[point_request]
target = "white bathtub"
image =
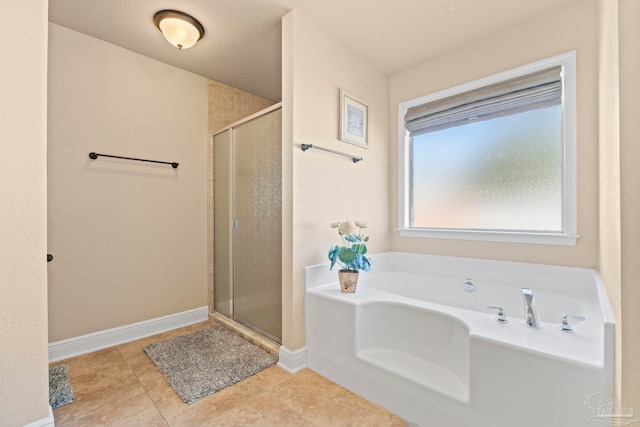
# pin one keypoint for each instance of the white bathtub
(415, 341)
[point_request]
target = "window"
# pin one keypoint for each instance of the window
(493, 159)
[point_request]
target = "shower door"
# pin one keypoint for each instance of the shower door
(248, 223)
(257, 237)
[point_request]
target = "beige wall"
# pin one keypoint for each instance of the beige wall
(24, 393)
(629, 44)
(609, 167)
(129, 238)
(326, 187)
(571, 29)
(619, 183)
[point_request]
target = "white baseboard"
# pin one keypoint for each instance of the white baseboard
(292, 361)
(44, 422)
(71, 347)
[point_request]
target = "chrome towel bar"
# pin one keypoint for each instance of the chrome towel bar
(305, 147)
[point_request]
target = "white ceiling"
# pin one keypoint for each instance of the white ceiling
(241, 46)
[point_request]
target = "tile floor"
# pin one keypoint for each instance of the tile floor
(120, 386)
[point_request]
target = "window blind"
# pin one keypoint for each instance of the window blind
(537, 90)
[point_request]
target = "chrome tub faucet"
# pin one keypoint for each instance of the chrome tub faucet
(530, 311)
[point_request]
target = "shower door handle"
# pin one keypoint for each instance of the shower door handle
(236, 224)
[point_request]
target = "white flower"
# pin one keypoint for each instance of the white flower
(346, 227)
(362, 224)
(335, 224)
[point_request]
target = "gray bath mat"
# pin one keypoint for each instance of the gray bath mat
(60, 390)
(203, 362)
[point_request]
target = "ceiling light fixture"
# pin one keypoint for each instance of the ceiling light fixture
(180, 29)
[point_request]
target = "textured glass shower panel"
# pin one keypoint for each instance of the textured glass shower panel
(222, 224)
(257, 299)
(500, 174)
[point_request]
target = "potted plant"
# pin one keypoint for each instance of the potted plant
(350, 256)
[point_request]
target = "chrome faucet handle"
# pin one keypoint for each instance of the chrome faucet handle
(502, 316)
(530, 311)
(567, 319)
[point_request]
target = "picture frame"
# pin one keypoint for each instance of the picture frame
(354, 118)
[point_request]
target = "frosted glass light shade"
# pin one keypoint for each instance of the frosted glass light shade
(180, 29)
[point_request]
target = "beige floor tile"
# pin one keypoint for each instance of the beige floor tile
(102, 384)
(372, 415)
(261, 410)
(66, 415)
(337, 411)
(95, 377)
(136, 410)
(101, 359)
(163, 396)
(135, 348)
(270, 378)
(204, 410)
(363, 410)
(140, 364)
(305, 389)
(102, 396)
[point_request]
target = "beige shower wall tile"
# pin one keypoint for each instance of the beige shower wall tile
(227, 105)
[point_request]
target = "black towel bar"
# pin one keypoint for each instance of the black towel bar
(94, 156)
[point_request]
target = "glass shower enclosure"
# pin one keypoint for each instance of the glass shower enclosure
(247, 222)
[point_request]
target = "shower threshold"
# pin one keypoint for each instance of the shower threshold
(266, 343)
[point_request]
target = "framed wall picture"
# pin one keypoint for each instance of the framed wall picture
(354, 116)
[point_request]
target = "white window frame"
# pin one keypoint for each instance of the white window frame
(569, 236)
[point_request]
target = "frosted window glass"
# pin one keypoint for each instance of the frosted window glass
(500, 174)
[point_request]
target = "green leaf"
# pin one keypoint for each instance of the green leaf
(346, 255)
(359, 248)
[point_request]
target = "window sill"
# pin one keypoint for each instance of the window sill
(559, 239)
